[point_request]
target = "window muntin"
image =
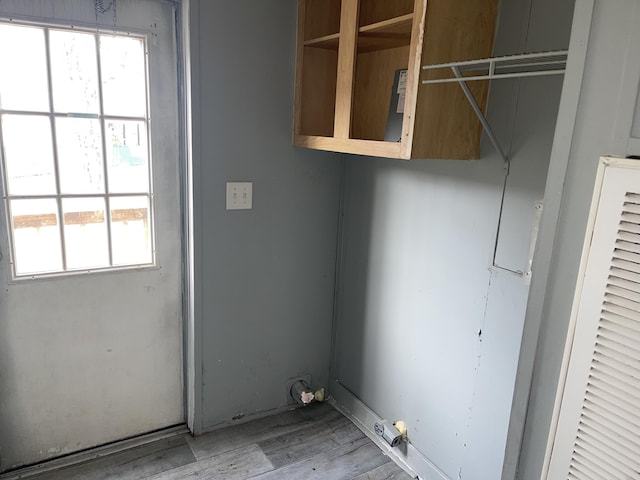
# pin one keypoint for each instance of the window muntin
(74, 138)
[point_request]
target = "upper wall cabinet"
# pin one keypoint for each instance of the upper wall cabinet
(358, 76)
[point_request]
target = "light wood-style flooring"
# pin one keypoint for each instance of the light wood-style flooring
(311, 443)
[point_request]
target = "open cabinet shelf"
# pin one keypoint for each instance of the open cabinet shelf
(350, 96)
(328, 41)
(391, 33)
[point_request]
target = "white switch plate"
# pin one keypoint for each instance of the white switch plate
(239, 195)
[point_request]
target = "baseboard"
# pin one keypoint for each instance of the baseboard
(94, 453)
(247, 418)
(406, 456)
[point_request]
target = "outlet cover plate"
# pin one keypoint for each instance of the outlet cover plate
(239, 195)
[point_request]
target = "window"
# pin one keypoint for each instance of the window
(74, 138)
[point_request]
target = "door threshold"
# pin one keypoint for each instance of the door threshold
(94, 453)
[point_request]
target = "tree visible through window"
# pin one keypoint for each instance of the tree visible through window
(74, 133)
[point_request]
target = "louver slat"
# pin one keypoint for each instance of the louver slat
(628, 337)
(607, 439)
(585, 458)
(622, 311)
(628, 236)
(626, 273)
(613, 409)
(623, 283)
(609, 456)
(620, 399)
(623, 267)
(631, 206)
(580, 472)
(627, 246)
(596, 412)
(612, 317)
(631, 218)
(611, 435)
(615, 379)
(623, 352)
(616, 289)
(623, 301)
(624, 372)
(625, 254)
(629, 227)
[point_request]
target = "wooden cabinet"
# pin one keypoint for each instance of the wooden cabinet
(347, 58)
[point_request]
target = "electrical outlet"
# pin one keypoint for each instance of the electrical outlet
(239, 195)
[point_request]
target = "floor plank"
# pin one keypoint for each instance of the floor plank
(236, 436)
(346, 432)
(388, 471)
(340, 463)
(239, 464)
(185, 472)
(135, 464)
(300, 444)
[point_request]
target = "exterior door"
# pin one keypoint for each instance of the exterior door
(90, 240)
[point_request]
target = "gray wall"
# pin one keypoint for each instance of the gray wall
(608, 94)
(264, 278)
(431, 299)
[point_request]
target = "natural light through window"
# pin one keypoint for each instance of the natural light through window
(74, 138)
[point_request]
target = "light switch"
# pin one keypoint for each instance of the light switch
(239, 195)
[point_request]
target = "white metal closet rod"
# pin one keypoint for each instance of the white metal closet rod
(540, 59)
(494, 76)
(516, 66)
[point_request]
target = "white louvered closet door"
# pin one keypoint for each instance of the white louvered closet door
(598, 430)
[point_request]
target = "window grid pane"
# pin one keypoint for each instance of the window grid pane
(85, 224)
(25, 47)
(36, 239)
(131, 229)
(81, 200)
(29, 165)
(74, 72)
(80, 160)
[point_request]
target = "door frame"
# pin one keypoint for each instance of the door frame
(189, 85)
(545, 247)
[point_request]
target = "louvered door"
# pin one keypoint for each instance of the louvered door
(598, 429)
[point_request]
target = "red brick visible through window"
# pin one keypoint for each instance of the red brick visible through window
(83, 218)
(35, 221)
(129, 215)
(79, 218)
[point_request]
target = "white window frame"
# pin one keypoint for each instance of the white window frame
(103, 119)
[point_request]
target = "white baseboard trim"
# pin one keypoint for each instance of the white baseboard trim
(94, 453)
(406, 456)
